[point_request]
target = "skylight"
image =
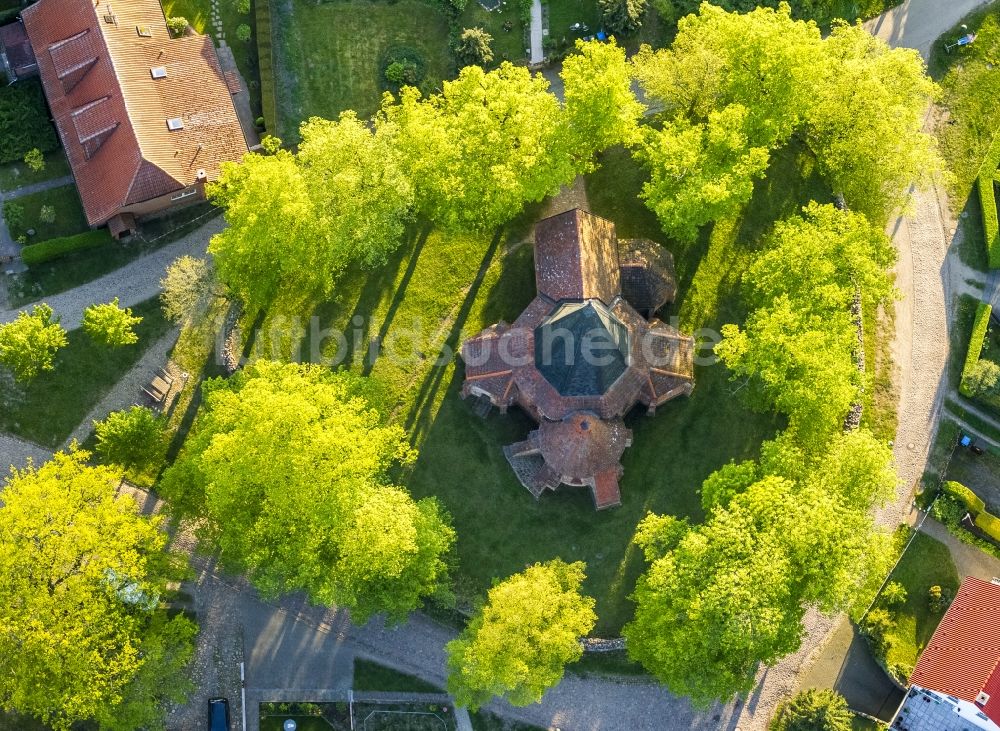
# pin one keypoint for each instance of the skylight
(144, 30)
(158, 72)
(175, 123)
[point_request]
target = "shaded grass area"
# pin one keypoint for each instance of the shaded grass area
(927, 563)
(370, 675)
(48, 409)
(606, 663)
(970, 87)
(980, 473)
(486, 721)
(69, 217)
(78, 268)
(16, 174)
(329, 56)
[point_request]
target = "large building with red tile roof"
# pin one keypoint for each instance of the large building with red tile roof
(581, 355)
(956, 683)
(146, 119)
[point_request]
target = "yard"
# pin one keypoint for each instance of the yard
(927, 563)
(51, 213)
(330, 57)
(49, 408)
(443, 288)
(17, 174)
(369, 675)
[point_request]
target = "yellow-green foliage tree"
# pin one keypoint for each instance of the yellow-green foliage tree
(110, 324)
(81, 633)
(289, 465)
(29, 344)
(518, 643)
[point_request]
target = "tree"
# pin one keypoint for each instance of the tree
(178, 25)
(35, 160)
(984, 378)
(111, 324)
(28, 345)
(814, 709)
(289, 466)
(623, 16)
(473, 47)
(865, 121)
(243, 32)
(242, 6)
(188, 288)
(131, 438)
(488, 143)
(297, 221)
(518, 643)
(81, 634)
(600, 109)
(700, 172)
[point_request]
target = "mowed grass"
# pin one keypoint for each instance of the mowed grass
(329, 56)
(927, 563)
(49, 408)
(369, 675)
(17, 175)
(69, 217)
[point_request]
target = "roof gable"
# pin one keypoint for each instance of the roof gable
(576, 257)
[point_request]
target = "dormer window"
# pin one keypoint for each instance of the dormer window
(158, 72)
(175, 123)
(144, 31)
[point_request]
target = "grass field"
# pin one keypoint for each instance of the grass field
(17, 174)
(927, 563)
(370, 675)
(69, 217)
(329, 56)
(508, 45)
(48, 409)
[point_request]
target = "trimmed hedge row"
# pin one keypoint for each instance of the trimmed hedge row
(51, 249)
(268, 98)
(989, 524)
(991, 226)
(963, 494)
(979, 329)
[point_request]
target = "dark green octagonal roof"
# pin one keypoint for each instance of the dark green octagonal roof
(581, 348)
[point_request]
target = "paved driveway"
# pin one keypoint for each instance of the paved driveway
(918, 23)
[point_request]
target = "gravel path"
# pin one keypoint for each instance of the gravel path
(135, 282)
(16, 452)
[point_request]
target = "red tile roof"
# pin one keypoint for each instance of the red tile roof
(15, 45)
(962, 657)
(576, 257)
(112, 114)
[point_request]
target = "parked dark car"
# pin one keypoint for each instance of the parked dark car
(218, 714)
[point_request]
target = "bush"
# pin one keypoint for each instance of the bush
(876, 627)
(474, 47)
(132, 439)
(35, 160)
(111, 324)
(894, 595)
(243, 32)
(24, 121)
(242, 6)
(938, 599)
(989, 524)
(964, 495)
(14, 213)
(814, 710)
(178, 25)
(47, 214)
(979, 329)
(403, 66)
(54, 248)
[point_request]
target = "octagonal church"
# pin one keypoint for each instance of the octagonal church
(584, 352)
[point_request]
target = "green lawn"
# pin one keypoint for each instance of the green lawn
(69, 217)
(329, 56)
(48, 409)
(17, 174)
(508, 45)
(370, 675)
(486, 721)
(970, 86)
(927, 563)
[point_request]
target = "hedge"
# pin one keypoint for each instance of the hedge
(979, 329)
(51, 249)
(991, 227)
(989, 524)
(268, 92)
(964, 495)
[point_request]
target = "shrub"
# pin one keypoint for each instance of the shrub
(964, 495)
(894, 595)
(242, 6)
(111, 324)
(54, 248)
(188, 288)
(35, 160)
(243, 32)
(989, 524)
(979, 329)
(47, 214)
(24, 121)
(402, 65)
(474, 47)
(132, 438)
(401, 72)
(178, 25)
(876, 627)
(14, 213)
(814, 710)
(938, 599)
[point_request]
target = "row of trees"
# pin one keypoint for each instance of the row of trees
(733, 88)
(468, 157)
(28, 344)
